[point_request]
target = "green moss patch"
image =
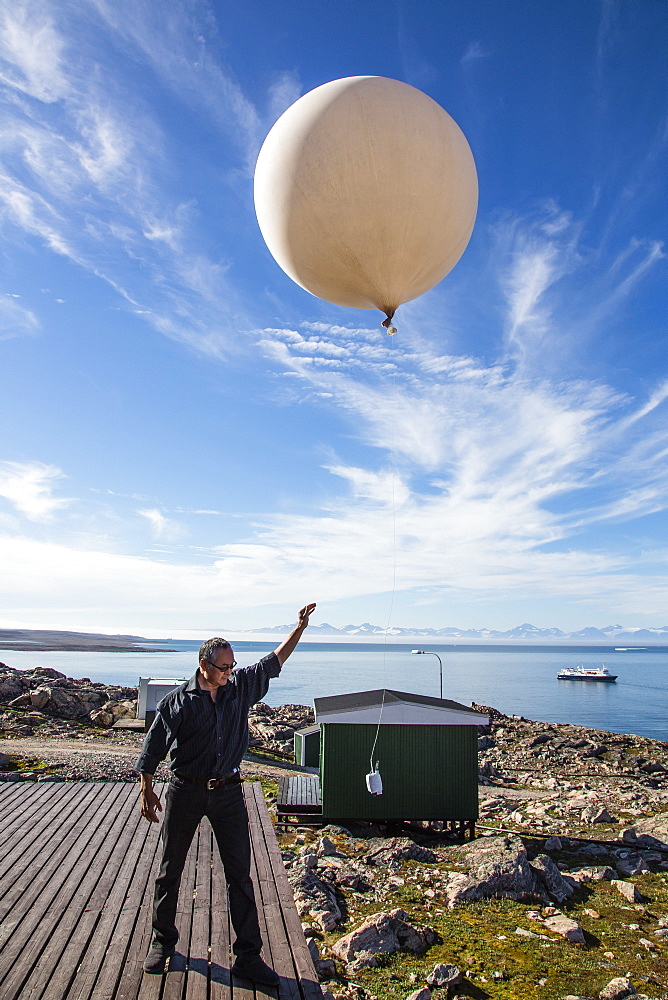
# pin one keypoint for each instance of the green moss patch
(481, 939)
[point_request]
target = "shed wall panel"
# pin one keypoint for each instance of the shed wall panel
(428, 772)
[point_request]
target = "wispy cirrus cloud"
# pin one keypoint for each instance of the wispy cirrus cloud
(474, 51)
(178, 48)
(86, 166)
(15, 319)
(163, 528)
(33, 52)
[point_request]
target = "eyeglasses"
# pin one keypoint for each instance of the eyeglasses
(228, 666)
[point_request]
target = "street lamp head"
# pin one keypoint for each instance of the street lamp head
(429, 652)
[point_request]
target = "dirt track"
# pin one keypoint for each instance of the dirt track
(89, 758)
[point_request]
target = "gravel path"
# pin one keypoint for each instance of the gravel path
(91, 758)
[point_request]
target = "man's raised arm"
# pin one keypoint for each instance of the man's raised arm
(287, 646)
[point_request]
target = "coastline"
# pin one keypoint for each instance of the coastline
(52, 641)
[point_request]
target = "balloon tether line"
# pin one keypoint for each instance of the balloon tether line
(394, 560)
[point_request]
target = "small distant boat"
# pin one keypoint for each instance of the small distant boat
(587, 674)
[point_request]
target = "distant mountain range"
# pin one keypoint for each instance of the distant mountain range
(614, 633)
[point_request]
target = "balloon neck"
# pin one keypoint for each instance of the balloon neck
(387, 323)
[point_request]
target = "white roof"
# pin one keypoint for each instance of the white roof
(395, 708)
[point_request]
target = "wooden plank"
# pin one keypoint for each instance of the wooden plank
(283, 790)
(198, 955)
(277, 945)
(95, 933)
(121, 971)
(48, 916)
(243, 989)
(308, 980)
(221, 983)
(171, 984)
(178, 963)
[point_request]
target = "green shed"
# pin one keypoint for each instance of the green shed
(427, 750)
(307, 746)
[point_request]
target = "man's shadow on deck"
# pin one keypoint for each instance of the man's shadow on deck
(221, 975)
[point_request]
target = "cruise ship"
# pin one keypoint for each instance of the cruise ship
(586, 674)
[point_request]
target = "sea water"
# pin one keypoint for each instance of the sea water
(518, 680)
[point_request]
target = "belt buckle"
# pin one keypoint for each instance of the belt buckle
(212, 783)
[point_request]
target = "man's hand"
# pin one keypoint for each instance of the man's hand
(284, 650)
(149, 800)
(304, 615)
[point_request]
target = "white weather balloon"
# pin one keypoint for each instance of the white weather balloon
(366, 192)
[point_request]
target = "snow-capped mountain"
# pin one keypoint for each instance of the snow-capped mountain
(614, 633)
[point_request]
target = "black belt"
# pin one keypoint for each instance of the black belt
(234, 777)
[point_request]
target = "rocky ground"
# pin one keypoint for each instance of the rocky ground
(565, 894)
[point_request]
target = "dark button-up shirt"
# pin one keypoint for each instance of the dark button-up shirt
(207, 739)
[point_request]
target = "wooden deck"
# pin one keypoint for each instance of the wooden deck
(77, 864)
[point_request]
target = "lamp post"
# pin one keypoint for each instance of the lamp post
(428, 652)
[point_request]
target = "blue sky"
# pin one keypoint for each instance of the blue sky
(191, 441)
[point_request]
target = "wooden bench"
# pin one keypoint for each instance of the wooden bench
(299, 795)
(77, 865)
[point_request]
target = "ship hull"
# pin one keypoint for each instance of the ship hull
(610, 679)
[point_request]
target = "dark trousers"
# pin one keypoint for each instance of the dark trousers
(224, 807)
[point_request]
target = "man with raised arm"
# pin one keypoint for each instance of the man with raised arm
(204, 723)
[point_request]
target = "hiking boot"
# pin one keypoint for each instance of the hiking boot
(256, 970)
(157, 957)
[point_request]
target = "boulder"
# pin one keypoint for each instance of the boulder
(654, 767)
(634, 864)
(314, 897)
(556, 886)
(325, 968)
(383, 933)
(102, 718)
(656, 828)
(423, 994)
(73, 702)
(39, 697)
(10, 687)
(618, 989)
(498, 866)
(314, 950)
(111, 711)
(540, 740)
(48, 672)
(596, 813)
(594, 873)
(326, 848)
(628, 890)
(444, 975)
(384, 850)
(568, 928)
